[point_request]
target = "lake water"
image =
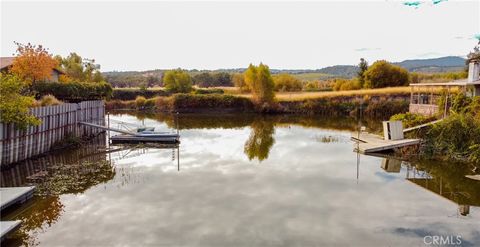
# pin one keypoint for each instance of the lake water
(242, 181)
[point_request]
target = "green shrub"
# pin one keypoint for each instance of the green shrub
(411, 119)
(458, 136)
(209, 101)
(384, 74)
(344, 84)
(131, 93)
(140, 101)
(14, 107)
(177, 81)
(208, 91)
(73, 91)
(286, 83)
(49, 99)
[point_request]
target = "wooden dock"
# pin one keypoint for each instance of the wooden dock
(7, 227)
(14, 195)
(371, 143)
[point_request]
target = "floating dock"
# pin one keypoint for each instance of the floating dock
(165, 138)
(142, 135)
(14, 195)
(7, 227)
(371, 143)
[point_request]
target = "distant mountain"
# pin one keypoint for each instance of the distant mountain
(340, 70)
(441, 64)
(432, 65)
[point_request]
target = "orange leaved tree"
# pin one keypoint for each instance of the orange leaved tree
(33, 63)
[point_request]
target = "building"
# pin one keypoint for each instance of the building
(424, 97)
(6, 64)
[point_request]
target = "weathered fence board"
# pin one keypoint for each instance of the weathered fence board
(58, 122)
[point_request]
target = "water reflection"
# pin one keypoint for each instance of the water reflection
(304, 193)
(260, 140)
(70, 172)
(229, 121)
(446, 179)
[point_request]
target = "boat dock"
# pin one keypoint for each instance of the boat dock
(164, 138)
(7, 227)
(10, 196)
(371, 143)
(14, 195)
(142, 135)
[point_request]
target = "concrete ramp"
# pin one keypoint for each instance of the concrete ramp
(13, 195)
(7, 227)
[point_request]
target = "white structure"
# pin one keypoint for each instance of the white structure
(392, 130)
(424, 96)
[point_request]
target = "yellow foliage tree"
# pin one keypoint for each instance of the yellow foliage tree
(33, 63)
(260, 82)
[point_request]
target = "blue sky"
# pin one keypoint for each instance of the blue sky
(124, 35)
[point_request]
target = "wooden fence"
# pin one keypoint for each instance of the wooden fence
(58, 122)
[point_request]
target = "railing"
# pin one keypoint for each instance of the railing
(424, 109)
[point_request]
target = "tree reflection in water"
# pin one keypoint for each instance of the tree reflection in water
(261, 139)
(35, 219)
(67, 172)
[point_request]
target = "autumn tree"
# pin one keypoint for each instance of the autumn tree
(79, 69)
(363, 66)
(287, 83)
(177, 81)
(384, 74)
(32, 63)
(260, 81)
(239, 81)
(14, 107)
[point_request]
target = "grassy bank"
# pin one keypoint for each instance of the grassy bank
(376, 103)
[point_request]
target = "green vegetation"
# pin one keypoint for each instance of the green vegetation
(363, 67)
(177, 81)
(260, 82)
(14, 106)
(206, 79)
(77, 68)
(49, 99)
(345, 84)
(383, 74)
(189, 102)
(457, 137)
(208, 91)
(239, 82)
(437, 77)
(73, 91)
(132, 93)
(287, 83)
(411, 119)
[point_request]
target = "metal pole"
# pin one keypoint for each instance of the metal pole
(176, 122)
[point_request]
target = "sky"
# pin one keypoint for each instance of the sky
(127, 35)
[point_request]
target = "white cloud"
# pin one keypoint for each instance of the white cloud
(124, 35)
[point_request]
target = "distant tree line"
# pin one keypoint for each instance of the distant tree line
(208, 79)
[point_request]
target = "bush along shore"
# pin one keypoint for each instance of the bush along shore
(372, 106)
(457, 137)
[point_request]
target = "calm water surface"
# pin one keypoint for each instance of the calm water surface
(241, 181)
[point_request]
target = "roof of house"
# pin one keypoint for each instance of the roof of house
(8, 61)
